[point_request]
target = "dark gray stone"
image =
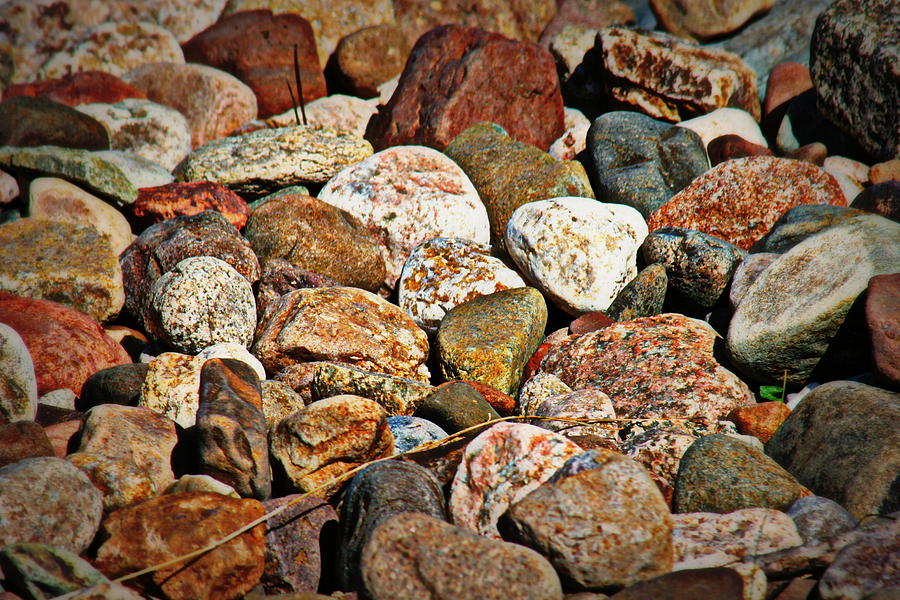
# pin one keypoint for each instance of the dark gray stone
(642, 297)
(116, 385)
(455, 406)
(819, 519)
(38, 571)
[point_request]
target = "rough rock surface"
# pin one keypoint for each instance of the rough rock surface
(397, 395)
(28, 121)
(882, 315)
(367, 58)
(704, 19)
(84, 87)
(172, 387)
(18, 384)
(120, 481)
(157, 204)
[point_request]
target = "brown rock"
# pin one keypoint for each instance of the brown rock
(883, 319)
(121, 482)
(458, 76)
(28, 121)
(66, 346)
(881, 199)
(175, 524)
(504, 404)
(690, 584)
(23, 439)
(85, 87)
(64, 436)
(760, 420)
(704, 19)
(257, 47)
(367, 58)
(727, 147)
(668, 78)
(885, 171)
(586, 14)
(589, 322)
(155, 204)
(814, 153)
(787, 80)
(280, 277)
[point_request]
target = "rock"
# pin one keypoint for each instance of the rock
(237, 352)
(46, 500)
(201, 483)
(28, 121)
(396, 395)
(63, 436)
(281, 277)
(573, 140)
(407, 195)
(819, 443)
(135, 434)
(508, 173)
(172, 387)
(862, 567)
(257, 47)
(347, 114)
(580, 252)
(704, 19)
(318, 237)
(471, 346)
(614, 359)
(410, 432)
(536, 390)
(443, 273)
(42, 571)
(882, 199)
(175, 524)
(819, 519)
(726, 121)
(152, 131)
(84, 87)
(327, 439)
(278, 401)
(66, 346)
(885, 171)
(760, 420)
(201, 301)
(455, 406)
(728, 147)
(698, 266)
(739, 200)
(787, 80)
(641, 162)
(643, 296)
(641, 67)
(882, 308)
(799, 223)
(704, 540)
(18, 385)
(500, 467)
(139, 171)
(22, 439)
(746, 274)
(853, 60)
(341, 324)
(413, 555)
(120, 481)
(293, 544)
(764, 343)
(269, 159)
(218, 102)
(586, 403)
(689, 584)
(463, 76)
(103, 591)
(368, 57)
(115, 48)
(63, 399)
(9, 188)
(850, 174)
(375, 494)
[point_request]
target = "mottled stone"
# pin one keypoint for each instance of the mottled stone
(698, 265)
(578, 251)
(266, 160)
(318, 237)
(760, 420)
(172, 387)
(704, 19)
(799, 223)
(278, 401)
(508, 173)
(201, 483)
(139, 171)
(175, 524)
(882, 311)
(574, 139)
(455, 406)
(347, 114)
(520, 20)
(412, 556)
(840, 442)
(345, 325)
(457, 76)
(396, 395)
(688, 584)
(819, 519)
(669, 78)
(328, 438)
(120, 384)
(500, 467)
(643, 296)
(46, 500)
(866, 565)
(642, 384)
(66, 346)
(237, 352)
(22, 439)
(84, 87)
(280, 277)
(120, 481)
(410, 432)
(18, 385)
(537, 389)
(375, 494)
(641, 162)
(788, 317)
(586, 403)
(368, 57)
(43, 571)
(28, 121)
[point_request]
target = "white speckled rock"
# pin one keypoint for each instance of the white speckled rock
(406, 195)
(442, 273)
(537, 389)
(235, 351)
(58, 200)
(153, 131)
(572, 141)
(726, 121)
(9, 188)
(578, 251)
(184, 18)
(139, 171)
(18, 386)
(585, 403)
(115, 48)
(705, 540)
(338, 112)
(200, 302)
(500, 467)
(172, 386)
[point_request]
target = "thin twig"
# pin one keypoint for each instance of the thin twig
(299, 86)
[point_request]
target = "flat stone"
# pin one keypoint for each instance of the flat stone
(882, 309)
(120, 481)
(704, 19)
(411, 432)
(578, 251)
(368, 57)
(396, 395)
(172, 387)
(799, 223)
(643, 296)
(18, 385)
(455, 406)
(41, 571)
(84, 87)
(760, 420)
(157, 204)
(28, 121)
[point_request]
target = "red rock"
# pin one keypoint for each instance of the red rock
(786, 81)
(66, 346)
(155, 204)
(458, 76)
(589, 322)
(586, 14)
(64, 437)
(23, 439)
(760, 420)
(367, 58)
(257, 47)
(726, 147)
(502, 403)
(534, 363)
(739, 200)
(883, 318)
(85, 87)
(174, 524)
(814, 153)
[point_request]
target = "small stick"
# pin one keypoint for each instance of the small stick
(299, 86)
(293, 100)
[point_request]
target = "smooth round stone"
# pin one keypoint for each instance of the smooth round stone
(62, 398)
(120, 384)
(202, 301)
(455, 406)
(726, 121)
(580, 252)
(586, 403)
(537, 389)
(642, 297)
(9, 188)
(18, 384)
(820, 519)
(746, 274)
(367, 58)
(727, 147)
(801, 222)
(410, 432)
(761, 420)
(341, 113)
(235, 351)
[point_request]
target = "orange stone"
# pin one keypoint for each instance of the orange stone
(759, 420)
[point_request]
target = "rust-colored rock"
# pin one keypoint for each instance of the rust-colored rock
(760, 420)
(589, 322)
(883, 320)
(787, 80)
(458, 76)
(64, 437)
(726, 147)
(175, 524)
(66, 346)
(257, 47)
(586, 14)
(155, 204)
(504, 404)
(367, 58)
(85, 87)
(23, 439)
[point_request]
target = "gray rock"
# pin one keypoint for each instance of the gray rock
(39, 571)
(866, 565)
(18, 385)
(642, 297)
(140, 171)
(819, 519)
(799, 223)
(746, 275)
(410, 432)
(455, 406)
(642, 162)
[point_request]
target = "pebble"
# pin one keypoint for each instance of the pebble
(455, 406)
(411, 432)
(18, 385)
(407, 195)
(28, 121)
(882, 310)
(760, 420)
(573, 141)
(726, 121)
(41, 571)
(819, 519)
(172, 387)
(643, 296)
(120, 481)
(368, 57)
(396, 395)
(9, 188)
(704, 19)
(578, 251)
(727, 147)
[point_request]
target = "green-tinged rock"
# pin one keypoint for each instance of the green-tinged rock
(642, 297)
(721, 474)
(270, 159)
(799, 223)
(140, 171)
(508, 173)
(18, 383)
(489, 339)
(396, 395)
(38, 571)
(63, 262)
(455, 406)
